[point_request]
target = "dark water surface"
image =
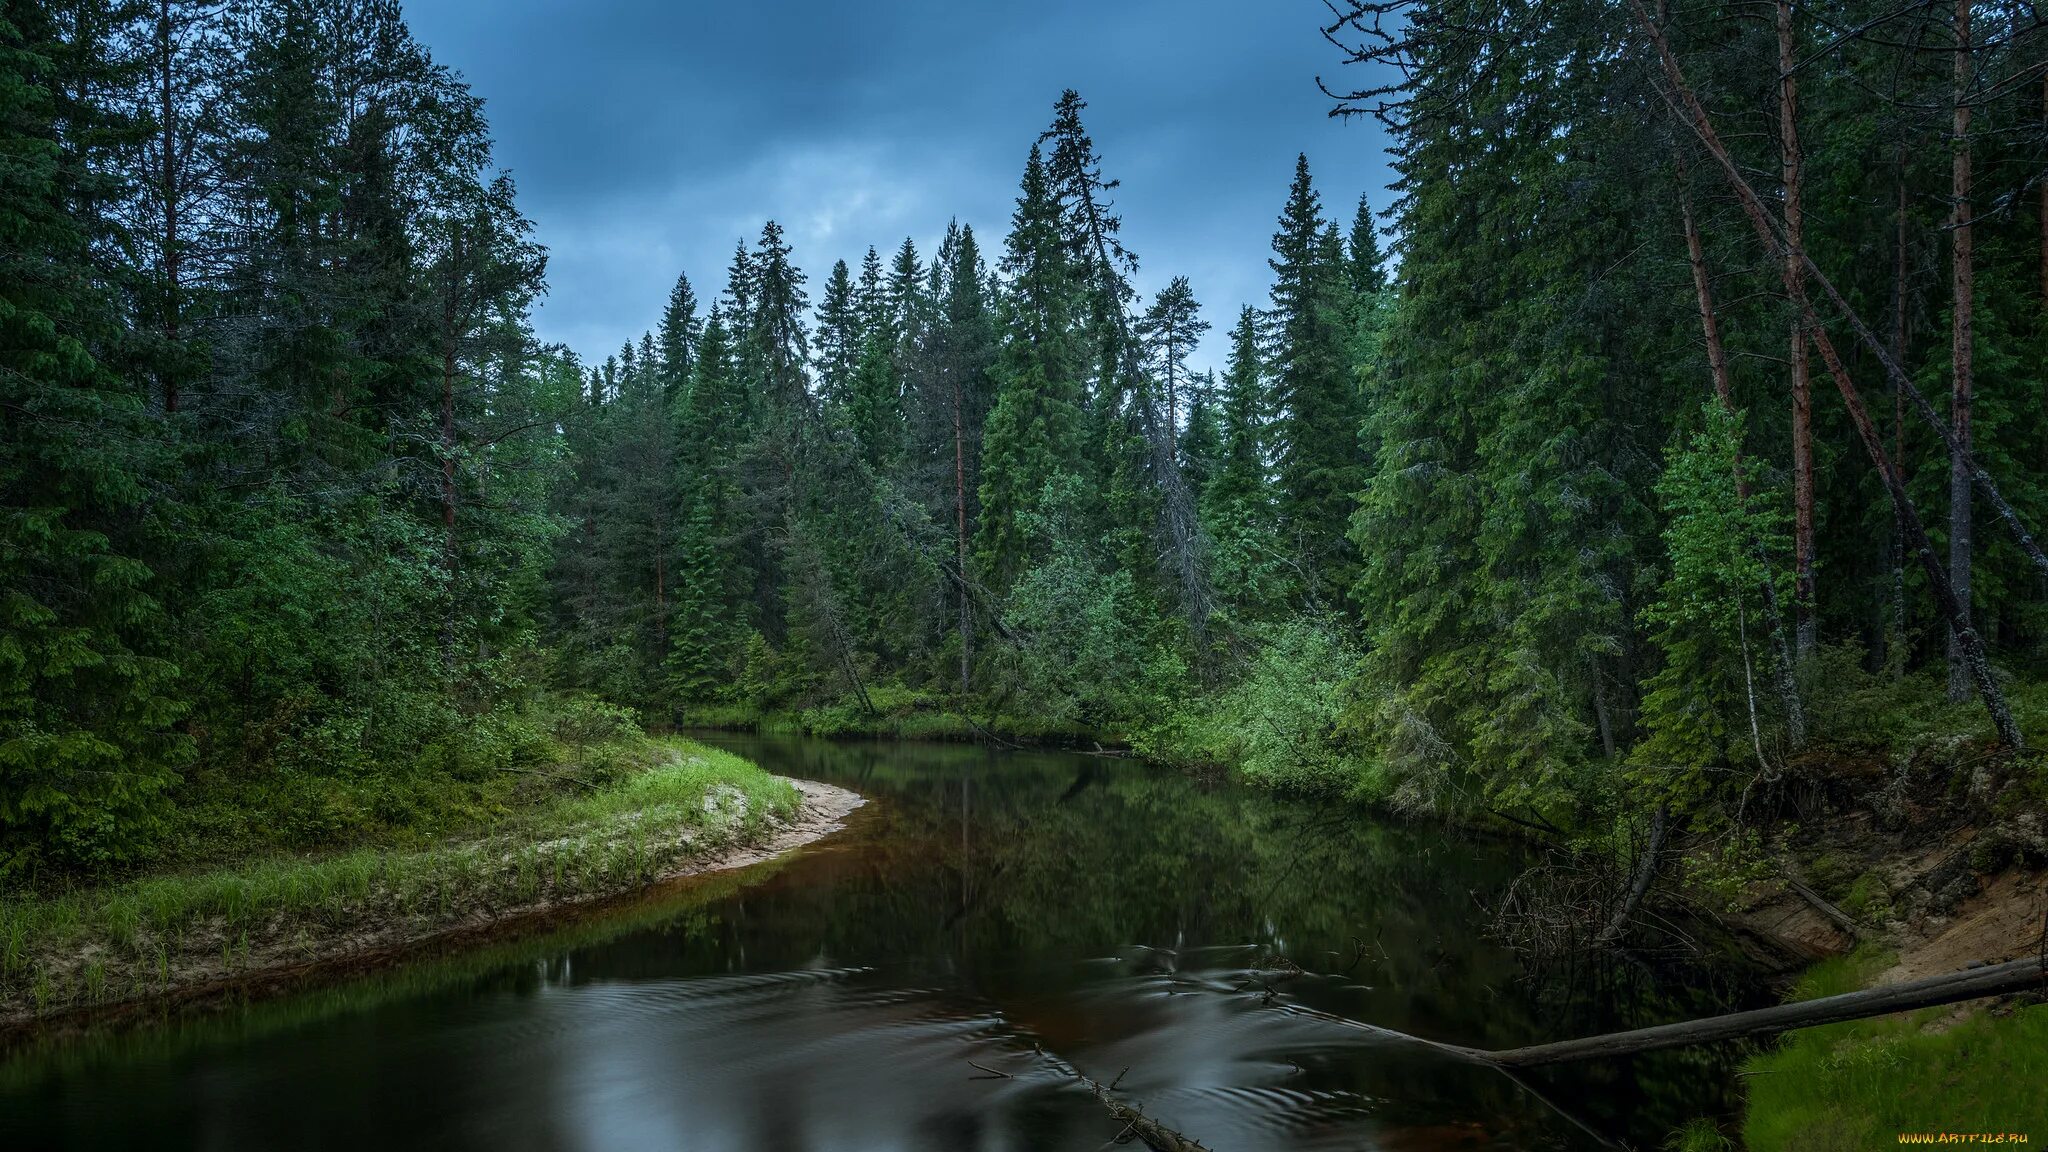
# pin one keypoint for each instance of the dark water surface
(983, 907)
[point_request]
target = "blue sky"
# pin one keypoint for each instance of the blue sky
(648, 137)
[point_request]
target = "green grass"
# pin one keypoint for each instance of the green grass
(132, 938)
(1858, 1085)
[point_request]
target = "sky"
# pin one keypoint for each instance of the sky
(648, 137)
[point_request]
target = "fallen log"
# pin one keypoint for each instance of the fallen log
(1819, 903)
(1948, 988)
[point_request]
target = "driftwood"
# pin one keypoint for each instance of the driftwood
(1156, 1136)
(1948, 988)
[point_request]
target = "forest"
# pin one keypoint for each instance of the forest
(1528, 491)
(1664, 448)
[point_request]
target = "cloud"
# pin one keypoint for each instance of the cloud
(648, 136)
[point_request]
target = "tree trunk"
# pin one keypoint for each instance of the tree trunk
(1963, 356)
(450, 314)
(1898, 349)
(168, 142)
(1948, 988)
(1646, 871)
(1970, 646)
(960, 534)
(1805, 627)
(1717, 362)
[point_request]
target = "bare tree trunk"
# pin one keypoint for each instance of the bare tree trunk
(172, 192)
(1687, 103)
(451, 310)
(1963, 355)
(1724, 389)
(2044, 199)
(1646, 872)
(1805, 626)
(1899, 414)
(960, 534)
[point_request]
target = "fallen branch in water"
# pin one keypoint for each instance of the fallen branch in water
(1156, 1136)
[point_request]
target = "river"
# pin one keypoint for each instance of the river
(930, 979)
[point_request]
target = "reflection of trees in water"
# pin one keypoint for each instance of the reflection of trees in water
(1010, 866)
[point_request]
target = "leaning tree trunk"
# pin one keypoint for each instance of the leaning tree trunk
(1805, 626)
(1963, 343)
(1686, 102)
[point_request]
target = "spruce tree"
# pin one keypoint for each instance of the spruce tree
(681, 330)
(839, 338)
(87, 747)
(1364, 262)
(1317, 425)
(1035, 428)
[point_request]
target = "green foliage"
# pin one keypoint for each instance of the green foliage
(1711, 622)
(1279, 724)
(87, 696)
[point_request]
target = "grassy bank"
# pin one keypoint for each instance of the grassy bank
(1860, 1084)
(668, 801)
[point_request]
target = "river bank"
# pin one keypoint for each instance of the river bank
(1897, 873)
(177, 938)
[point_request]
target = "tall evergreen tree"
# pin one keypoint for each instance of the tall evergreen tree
(681, 331)
(1317, 420)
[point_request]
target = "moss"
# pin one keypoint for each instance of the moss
(1869, 898)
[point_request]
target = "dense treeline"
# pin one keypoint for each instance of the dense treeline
(986, 482)
(274, 451)
(1624, 507)
(1576, 501)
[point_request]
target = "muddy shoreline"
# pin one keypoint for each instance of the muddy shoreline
(303, 963)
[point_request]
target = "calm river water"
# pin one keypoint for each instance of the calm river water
(1030, 913)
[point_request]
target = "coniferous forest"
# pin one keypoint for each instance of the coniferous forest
(1663, 454)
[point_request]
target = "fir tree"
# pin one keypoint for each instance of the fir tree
(87, 748)
(1317, 426)
(1364, 262)
(1034, 430)
(839, 338)
(681, 330)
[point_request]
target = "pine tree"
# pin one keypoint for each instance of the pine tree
(1170, 329)
(1247, 561)
(777, 333)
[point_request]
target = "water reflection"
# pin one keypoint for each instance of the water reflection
(1029, 914)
